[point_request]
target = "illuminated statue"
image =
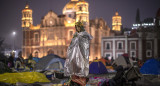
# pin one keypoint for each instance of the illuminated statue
(77, 61)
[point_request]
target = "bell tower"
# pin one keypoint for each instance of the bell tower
(116, 22)
(82, 13)
(27, 20)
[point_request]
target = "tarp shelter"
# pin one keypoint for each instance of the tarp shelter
(23, 77)
(97, 67)
(50, 62)
(121, 61)
(151, 66)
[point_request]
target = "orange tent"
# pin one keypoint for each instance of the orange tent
(103, 61)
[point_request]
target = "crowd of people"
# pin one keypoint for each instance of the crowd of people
(20, 63)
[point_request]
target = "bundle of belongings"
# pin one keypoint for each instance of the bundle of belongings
(124, 76)
(126, 72)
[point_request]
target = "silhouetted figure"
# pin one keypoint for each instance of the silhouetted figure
(11, 60)
(35, 58)
(19, 61)
(118, 79)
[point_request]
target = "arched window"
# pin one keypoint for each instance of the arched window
(36, 53)
(119, 45)
(36, 37)
(70, 34)
(80, 8)
(50, 51)
(70, 15)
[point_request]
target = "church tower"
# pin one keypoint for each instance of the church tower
(138, 21)
(82, 13)
(116, 22)
(27, 20)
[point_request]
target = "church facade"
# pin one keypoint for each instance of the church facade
(55, 32)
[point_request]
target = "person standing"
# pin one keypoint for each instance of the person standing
(11, 60)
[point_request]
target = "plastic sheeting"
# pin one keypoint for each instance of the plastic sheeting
(24, 77)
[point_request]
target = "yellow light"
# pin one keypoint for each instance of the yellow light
(24, 57)
(116, 24)
(26, 10)
(45, 38)
(82, 2)
(74, 0)
(59, 42)
(82, 12)
(56, 37)
(56, 43)
(63, 42)
(35, 27)
(25, 18)
(69, 21)
(67, 24)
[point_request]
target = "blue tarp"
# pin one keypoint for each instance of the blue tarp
(36, 59)
(97, 68)
(151, 66)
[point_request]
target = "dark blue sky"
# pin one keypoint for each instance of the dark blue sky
(10, 12)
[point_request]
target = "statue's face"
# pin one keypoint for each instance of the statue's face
(78, 28)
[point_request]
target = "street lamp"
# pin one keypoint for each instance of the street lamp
(13, 33)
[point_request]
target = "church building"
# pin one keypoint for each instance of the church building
(55, 32)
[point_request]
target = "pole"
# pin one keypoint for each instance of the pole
(14, 43)
(14, 33)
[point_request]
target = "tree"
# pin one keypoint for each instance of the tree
(1, 43)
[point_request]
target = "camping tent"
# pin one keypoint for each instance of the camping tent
(97, 67)
(103, 61)
(50, 62)
(151, 66)
(121, 61)
(56, 63)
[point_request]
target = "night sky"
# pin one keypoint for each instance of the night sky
(10, 13)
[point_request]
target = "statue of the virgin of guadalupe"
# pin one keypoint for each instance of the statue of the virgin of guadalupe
(77, 61)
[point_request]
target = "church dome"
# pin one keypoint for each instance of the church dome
(27, 9)
(70, 6)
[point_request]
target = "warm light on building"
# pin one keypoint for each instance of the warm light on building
(116, 22)
(82, 13)
(69, 23)
(74, 0)
(27, 20)
(35, 27)
(56, 31)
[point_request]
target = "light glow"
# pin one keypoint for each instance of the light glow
(35, 27)
(14, 33)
